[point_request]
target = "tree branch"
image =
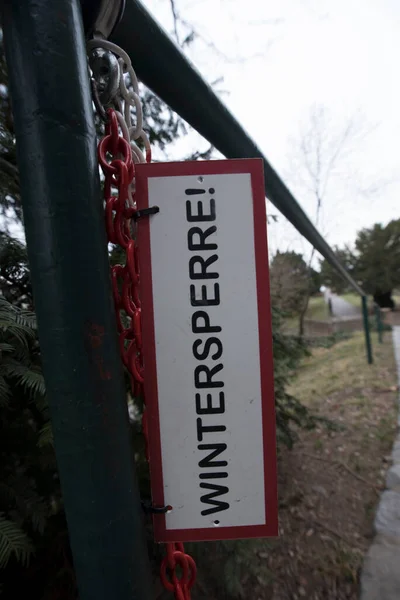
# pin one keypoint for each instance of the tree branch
(175, 17)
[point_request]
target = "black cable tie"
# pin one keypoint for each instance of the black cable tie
(145, 212)
(155, 510)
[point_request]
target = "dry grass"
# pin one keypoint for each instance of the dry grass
(329, 484)
(344, 368)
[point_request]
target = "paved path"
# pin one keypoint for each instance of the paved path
(341, 308)
(380, 579)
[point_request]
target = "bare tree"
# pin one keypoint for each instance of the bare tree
(185, 33)
(318, 157)
(175, 17)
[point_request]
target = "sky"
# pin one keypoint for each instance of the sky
(278, 61)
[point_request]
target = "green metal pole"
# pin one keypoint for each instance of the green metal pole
(379, 325)
(60, 190)
(366, 330)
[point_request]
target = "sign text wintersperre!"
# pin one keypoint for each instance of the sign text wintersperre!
(210, 403)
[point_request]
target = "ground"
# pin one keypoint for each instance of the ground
(329, 484)
(341, 308)
(353, 299)
(345, 305)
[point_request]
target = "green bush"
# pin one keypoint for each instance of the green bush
(34, 546)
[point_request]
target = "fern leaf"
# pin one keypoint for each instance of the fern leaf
(19, 332)
(26, 319)
(29, 377)
(18, 323)
(21, 354)
(33, 381)
(13, 542)
(5, 393)
(6, 347)
(45, 436)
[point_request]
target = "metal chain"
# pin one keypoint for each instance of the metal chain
(123, 99)
(118, 152)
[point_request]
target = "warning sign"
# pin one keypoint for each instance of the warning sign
(207, 347)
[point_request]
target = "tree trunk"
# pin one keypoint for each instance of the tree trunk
(303, 315)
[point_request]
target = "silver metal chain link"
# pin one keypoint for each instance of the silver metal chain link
(112, 73)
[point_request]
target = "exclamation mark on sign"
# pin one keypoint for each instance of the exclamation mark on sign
(200, 211)
(195, 191)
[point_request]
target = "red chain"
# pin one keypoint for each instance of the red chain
(115, 158)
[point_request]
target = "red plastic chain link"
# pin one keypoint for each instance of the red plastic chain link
(115, 159)
(176, 557)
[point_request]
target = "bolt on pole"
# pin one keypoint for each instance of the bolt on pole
(60, 190)
(367, 330)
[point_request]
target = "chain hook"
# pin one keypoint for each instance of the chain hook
(106, 75)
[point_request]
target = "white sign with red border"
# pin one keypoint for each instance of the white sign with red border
(207, 347)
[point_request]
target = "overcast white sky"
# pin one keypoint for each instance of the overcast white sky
(277, 59)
